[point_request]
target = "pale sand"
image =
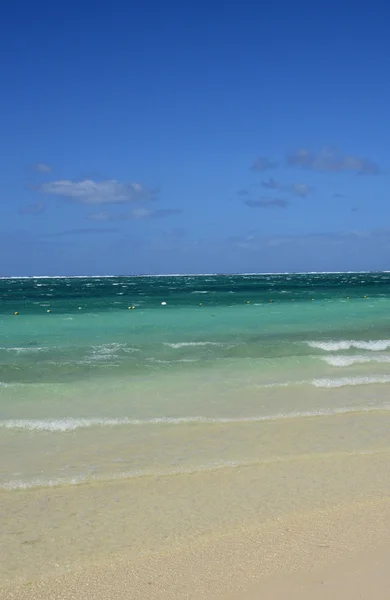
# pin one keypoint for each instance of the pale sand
(347, 548)
(207, 534)
(366, 577)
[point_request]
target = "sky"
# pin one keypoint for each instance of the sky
(174, 137)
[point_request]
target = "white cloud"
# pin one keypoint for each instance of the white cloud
(146, 213)
(262, 164)
(82, 231)
(42, 168)
(101, 216)
(349, 238)
(89, 191)
(297, 189)
(33, 209)
(267, 203)
(328, 161)
(140, 212)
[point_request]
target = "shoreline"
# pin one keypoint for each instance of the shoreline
(156, 502)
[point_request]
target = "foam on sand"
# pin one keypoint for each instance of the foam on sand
(71, 424)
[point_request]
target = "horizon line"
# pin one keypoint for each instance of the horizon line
(219, 274)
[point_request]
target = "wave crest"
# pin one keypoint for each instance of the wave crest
(188, 344)
(348, 360)
(346, 381)
(334, 346)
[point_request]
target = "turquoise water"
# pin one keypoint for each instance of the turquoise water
(95, 390)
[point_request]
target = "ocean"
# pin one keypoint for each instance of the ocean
(161, 385)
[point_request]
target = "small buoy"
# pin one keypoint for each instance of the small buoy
(16, 313)
(313, 298)
(271, 300)
(347, 297)
(49, 311)
(365, 297)
(163, 303)
(248, 301)
(292, 299)
(200, 303)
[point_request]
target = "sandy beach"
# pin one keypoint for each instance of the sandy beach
(365, 577)
(341, 554)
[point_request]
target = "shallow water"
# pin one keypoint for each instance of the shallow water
(218, 381)
(218, 352)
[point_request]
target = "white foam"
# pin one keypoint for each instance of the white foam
(104, 352)
(21, 350)
(60, 425)
(335, 346)
(159, 361)
(347, 361)
(18, 484)
(283, 384)
(170, 362)
(186, 360)
(185, 344)
(73, 423)
(154, 275)
(347, 381)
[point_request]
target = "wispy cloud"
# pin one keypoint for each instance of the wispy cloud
(89, 191)
(257, 242)
(42, 168)
(103, 216)
(262, 164)
(33, 209)
(267, 203)
(297, 189)
(330, 162)
(247, 242)
(146, 213)
(137, 213)
(83, 231)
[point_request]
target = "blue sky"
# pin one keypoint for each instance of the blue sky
(206, 137)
